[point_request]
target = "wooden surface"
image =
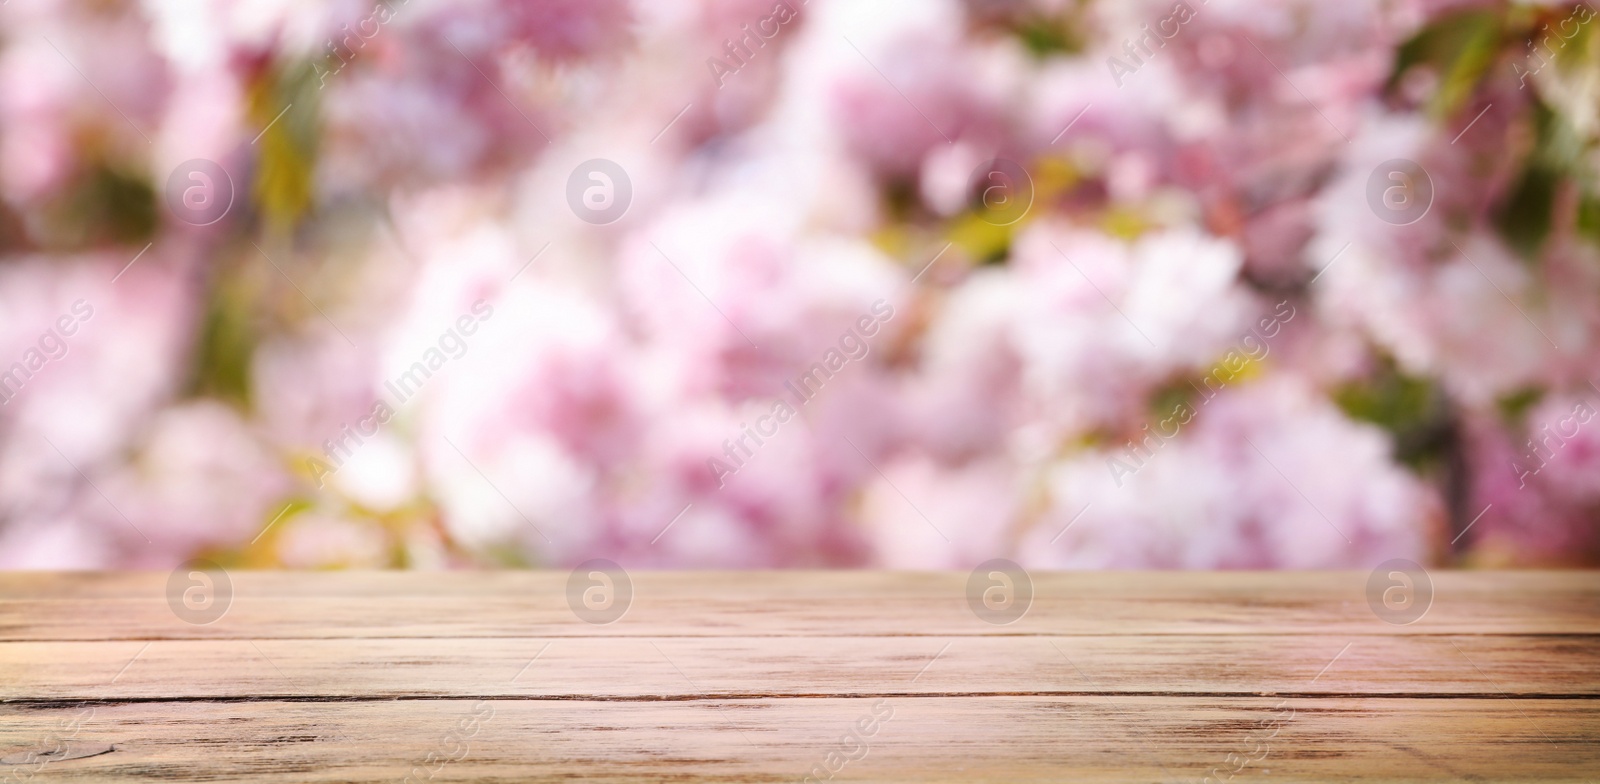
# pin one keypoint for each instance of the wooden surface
(775, 676)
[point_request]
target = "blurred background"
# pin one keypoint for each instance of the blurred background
(776, 283)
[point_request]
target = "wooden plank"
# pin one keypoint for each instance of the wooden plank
(676, 667)
(999, 739)
(862, 604)
(758, 677)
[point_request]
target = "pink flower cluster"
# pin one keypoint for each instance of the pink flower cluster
(1077, 372)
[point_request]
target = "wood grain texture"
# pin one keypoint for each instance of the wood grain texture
(746, 604)
(774, 677)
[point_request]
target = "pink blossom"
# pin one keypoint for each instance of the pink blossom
(200, 480)
(1264, 475)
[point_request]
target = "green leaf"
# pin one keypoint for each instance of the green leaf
(1412, 409)
(981, 240)
(1515, 406)
(1460, 48)
(1524, 219)
(285, 105)
(1044, 37)
(1589, 218)
(103, 206)
(227, 343)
